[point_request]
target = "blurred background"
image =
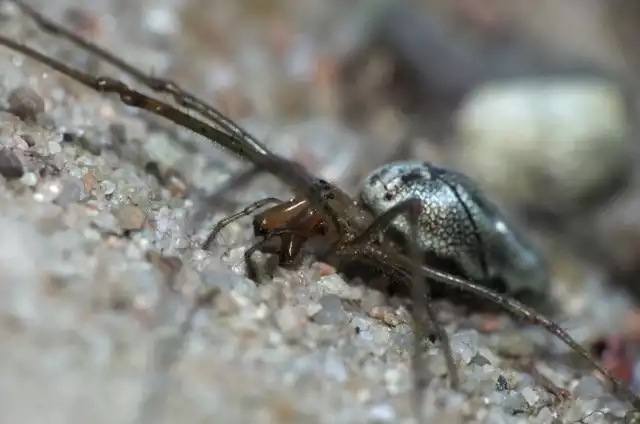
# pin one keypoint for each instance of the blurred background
(536, 103)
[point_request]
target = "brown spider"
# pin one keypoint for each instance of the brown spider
(318, 208)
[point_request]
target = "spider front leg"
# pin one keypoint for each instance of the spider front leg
(422, 310)
(180, 95)
(231, 218)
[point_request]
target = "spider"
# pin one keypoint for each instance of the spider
(318, 209)
(459, 227)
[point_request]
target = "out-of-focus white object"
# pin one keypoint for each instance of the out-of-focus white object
(565, 136)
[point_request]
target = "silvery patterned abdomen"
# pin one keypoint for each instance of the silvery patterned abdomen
(458, 224)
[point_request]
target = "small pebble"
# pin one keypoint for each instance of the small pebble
(385, 314)
(225, 305)
(106, 222)
(53, 147)
(515, 345)
(290, 320)
(572, 133)
(486, 356)
(25, 103)
(502, 384)
(396, 381)
(437, 366)
(372, 299)
(176, 184)
(28, 139)
(464, 345)
(545, 416)
(72, 191)
(588, 388)
(371, 337)
(382, 414)
(510, 400)
(335, 284)
(91, 143)
(162, 21)
(10, 166)
(402, 338)
(107, 187)
(313, 308)
(479, 360)
(530, 395)
(29, 179)
(334, 367)
(226, 281)
(75, 171)
(331, 311)
(48, 191)
(130, 217)
(90, 182)
(497, 416)
(632, 417)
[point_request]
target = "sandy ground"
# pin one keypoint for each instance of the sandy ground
(97, 329)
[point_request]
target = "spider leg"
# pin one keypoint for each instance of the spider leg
(256, 154)
(181, 96)
(290, 248)
(513, 306)
(399, 263)
(404, 264)
(382, 222)
(231, 137)
(423, 313)
(422, 309)
(265, 245)
(246, 147)
(228, 220)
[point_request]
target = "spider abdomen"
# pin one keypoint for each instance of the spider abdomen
(458, 224)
